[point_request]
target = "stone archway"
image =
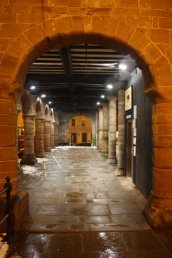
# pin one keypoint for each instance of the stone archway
(107, 31)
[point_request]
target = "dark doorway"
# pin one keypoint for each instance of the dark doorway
(73, 138)
(129, 165)
(84, 137)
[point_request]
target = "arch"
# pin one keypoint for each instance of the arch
(106, 31)
(47, 112)
(52, 115)
(39, 108)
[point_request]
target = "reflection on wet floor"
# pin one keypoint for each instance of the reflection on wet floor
(73, 192)
(74, 189)
(140, 244)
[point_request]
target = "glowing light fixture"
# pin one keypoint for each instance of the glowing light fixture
(43, 96)
(102, 96)
(123, 67)
(110, 86)
(98, 103)
(33, 87)
(49, 102)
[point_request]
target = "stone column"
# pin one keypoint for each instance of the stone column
(39, 138)
(56, 133)
(97, 129)
(159, 208)
(93, 140)
(100, 128)
(52, 134)
(56, 125)
(47, 135)
(121, 124)
(8, 143)
(9, 159)
(105, 129)
(28, 108)
(112, 131)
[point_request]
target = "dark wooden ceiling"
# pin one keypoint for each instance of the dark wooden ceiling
(74, 77)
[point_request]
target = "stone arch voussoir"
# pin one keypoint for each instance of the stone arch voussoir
(106, 31)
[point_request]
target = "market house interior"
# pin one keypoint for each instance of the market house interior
(91, 77)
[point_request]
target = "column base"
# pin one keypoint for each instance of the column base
(104, 154)
(48, 150)
(158, 212)
(28, 160)
(40, 154)
(119, 172)
(111, 161)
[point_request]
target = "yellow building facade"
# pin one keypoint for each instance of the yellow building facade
(80, 131)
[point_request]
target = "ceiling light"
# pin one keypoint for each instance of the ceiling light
(43, 96)
(33, 87)
(98, 103)
(49, 102)
(102, 96)
(110, 86)
(123, 67)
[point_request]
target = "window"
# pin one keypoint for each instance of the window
(73, 122)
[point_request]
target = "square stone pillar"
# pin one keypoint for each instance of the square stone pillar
(9, 160)
(112, 130)
(159, 208)
(121, 130)
(8, 143)
(100, 128)
(105, 129)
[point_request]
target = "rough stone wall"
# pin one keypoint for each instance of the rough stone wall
(144, 25)
(142, 28)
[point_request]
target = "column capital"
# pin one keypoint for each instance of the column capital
(28, 104)
(110, 98)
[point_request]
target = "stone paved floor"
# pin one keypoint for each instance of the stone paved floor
(76, 190)
(133, 244)
(79, 209)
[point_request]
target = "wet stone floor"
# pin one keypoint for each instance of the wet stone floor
(74, 189)
(78, 208)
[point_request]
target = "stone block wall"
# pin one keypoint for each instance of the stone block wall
(141, 28)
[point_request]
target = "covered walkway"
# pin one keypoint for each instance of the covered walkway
(74, 189)
(78, 208)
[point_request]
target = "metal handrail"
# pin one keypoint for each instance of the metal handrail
(7, 189)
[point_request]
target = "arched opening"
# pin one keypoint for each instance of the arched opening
(76, 137)
(147, 55)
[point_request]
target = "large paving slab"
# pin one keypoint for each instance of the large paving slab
(140, 244)
(74, 189)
